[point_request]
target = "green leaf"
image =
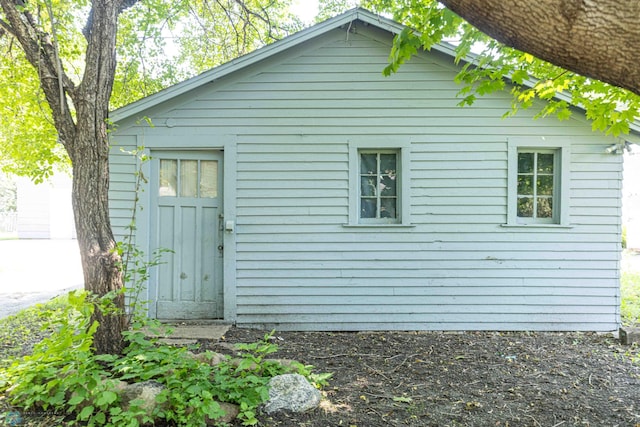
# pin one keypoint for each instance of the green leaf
(86, 413)
(76, 400)
(519, 76)
(106, 398)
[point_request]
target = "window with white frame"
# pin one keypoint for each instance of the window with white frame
(379, 179)
(379, 186)
(538, 182)
(537, 185)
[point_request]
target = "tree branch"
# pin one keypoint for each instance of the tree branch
(596, 39)
(5, 28)
(40, 53)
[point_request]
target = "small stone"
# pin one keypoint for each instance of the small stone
(147, 391)
(231, 412)
(291, 392)
(209, 357)
(629, 335)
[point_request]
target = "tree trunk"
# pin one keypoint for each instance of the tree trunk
(86, 140)
(89, 152)
(100, 263)
(594, 38)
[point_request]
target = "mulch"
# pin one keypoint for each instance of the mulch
(461, 379)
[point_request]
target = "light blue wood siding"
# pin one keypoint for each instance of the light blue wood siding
(457, 268)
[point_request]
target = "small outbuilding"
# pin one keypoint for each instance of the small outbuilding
(300, 189)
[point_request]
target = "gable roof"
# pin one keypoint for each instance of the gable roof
(288, 42)
(262, 53)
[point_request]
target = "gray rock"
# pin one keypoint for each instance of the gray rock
(291, 392)
(231, 412)
(209, 357)
(146, 391)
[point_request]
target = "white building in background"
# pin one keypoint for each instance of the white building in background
(631, 197)
(44, 210)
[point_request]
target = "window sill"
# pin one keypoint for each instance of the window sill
(378, 225)
(533, 225)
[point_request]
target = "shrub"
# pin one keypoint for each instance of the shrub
(64, 376)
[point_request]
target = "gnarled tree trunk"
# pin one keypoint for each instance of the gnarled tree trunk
(89, 152)
(595, 38)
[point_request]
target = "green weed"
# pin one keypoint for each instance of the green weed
(64, 376)
(630, 298)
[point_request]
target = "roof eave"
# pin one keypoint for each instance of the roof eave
(258, 55)
(293, 40)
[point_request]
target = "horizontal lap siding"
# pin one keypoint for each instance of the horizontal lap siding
(122, 170)
(458, 268)
(298, 267)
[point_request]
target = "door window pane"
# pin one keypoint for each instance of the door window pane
(189, 178)
(209, 178)
(168, 178)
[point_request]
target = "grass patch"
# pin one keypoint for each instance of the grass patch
(630, 298)
(19, 332)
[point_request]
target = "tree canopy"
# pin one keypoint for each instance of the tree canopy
(490, 65)
(158, 44)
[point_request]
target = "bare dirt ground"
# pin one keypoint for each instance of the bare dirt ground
(462, 379)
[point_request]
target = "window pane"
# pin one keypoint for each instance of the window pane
(168, 178)
(368, 186)
(525, 207)
(368, 164)
(387, 186)
(525, 162)
(388, 165)
(388, 208)
(209, 178)
(189, 178)
(545, 207)
(545, 163)
(524, 185)
(379, 185)
(367, 208)
(545, 185)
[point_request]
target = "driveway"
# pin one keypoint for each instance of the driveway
(33, 271)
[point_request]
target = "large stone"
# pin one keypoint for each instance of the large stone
(291, 392)
(146, 391)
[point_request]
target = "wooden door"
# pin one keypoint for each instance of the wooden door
(187, 220)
